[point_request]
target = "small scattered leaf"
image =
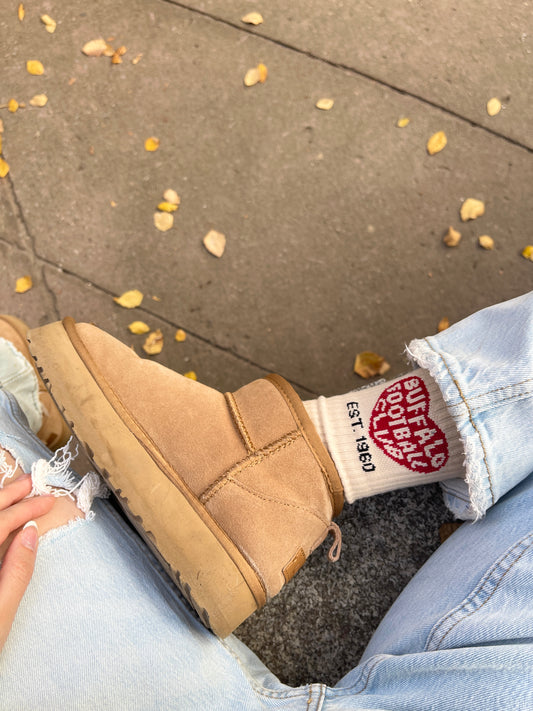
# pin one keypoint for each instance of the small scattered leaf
(403, 122)
(12, 105)
(136, 59)
(436, 143)
(486, 242)
(116, 59)
(23, 284)
(152, 144)
(138, 327)
(256, 75)
(494, 106)
(171, 196)
(153, 343)
(324, 104)
(34, 67)
(1, 126)
(49, 24)
(167, 207)
(444, 323)
(163, 221)
(39, 100)
(129, 299)
(527, 252)
(180, 335)
(368, 364)
(21, 12)
(252, 18)
(96, 48)
(4, 168)
(471, 209)
(215, 243)
(452, 237)
(191, 375)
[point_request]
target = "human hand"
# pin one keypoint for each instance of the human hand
(18, 563)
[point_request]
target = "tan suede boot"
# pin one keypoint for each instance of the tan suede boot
(54, 431)
(232, 492)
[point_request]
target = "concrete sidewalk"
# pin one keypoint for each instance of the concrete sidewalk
(334, 219)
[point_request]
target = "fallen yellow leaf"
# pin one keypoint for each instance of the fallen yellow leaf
(167, 207)
(263, 73)
(444, 323)
(252, 18)
(486, 242)
(4, 168)
(471, 209)
(527, 252)
(403, 122)
(152, 144)
(138, 327)
(324, 104)
(129, 299)
(23, 284)
(163, 221)
(180, 335)
(215, 243)
(34, 67)
(191, 375)
(171, 196)
(452, 237)
(116, 58)
(49, 24)
(494, 106)
(1, 126)
(256, 75)
(96, 48)
(153, 343)
(136, 59)
(367, 364)
(39, 100)
(12, 105)
(436, 143)
(21, 12)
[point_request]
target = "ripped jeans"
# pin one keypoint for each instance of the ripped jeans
(102, 627)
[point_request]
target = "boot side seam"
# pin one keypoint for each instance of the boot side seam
(239, 422)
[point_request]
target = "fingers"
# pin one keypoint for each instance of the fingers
(15, 575)
(17, 514)
(15, 490)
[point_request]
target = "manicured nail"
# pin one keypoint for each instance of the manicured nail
(30, 535)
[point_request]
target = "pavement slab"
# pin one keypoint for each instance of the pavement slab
(334, 219)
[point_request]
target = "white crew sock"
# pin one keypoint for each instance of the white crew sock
(389, 436)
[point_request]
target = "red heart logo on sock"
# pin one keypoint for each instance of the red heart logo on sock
(402, 428)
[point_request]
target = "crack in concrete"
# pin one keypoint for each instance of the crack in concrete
(351, 70)
(22, 219)
(51, 292)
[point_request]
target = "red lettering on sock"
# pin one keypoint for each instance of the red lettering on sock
(401, 427)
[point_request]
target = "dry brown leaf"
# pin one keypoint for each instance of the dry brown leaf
(252, 18)
(129, 299)
(494, 106)
(444, 323)
(12, 105)
(180, 335)
(486, 242)
(172, 197)
(368, 364)
(191, 375)
(151, 144)
(136, 59)
(39, 100)
(49, 24)
(4, 168)
(403, 122)
(23, 284)
(153, 343)
(436, 143)
(471, 209)
(96, 48)
(324, 104)
(163, 221)
(527, 252)
(215, 243)
(452, 237)
(34, 67)
(116, 58)
(138, 327)
(167, 207)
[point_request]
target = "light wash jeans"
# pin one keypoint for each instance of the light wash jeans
(101, 627)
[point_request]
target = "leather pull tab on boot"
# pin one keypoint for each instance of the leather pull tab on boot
(335, 550)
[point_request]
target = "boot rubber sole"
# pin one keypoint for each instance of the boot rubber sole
(200, 558)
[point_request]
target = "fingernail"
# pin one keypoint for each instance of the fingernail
(30, 535)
